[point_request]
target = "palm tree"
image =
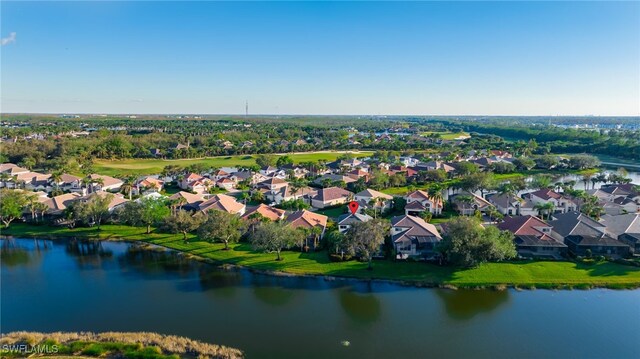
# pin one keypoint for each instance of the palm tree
(127, 186)
(465, 200)
(56, 177)
(316, 232)
(544, 208)
(585, 179)
(244, 196)
(493, 213)
(435, 192)
(32, 205)
(42, 208)
(374, 202)
(4, 178)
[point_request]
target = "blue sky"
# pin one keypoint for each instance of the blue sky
(509, 58)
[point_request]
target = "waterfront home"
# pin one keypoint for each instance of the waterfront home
(413, 237)
(468, 208)
(384, 202)
(222, 202)
(117, 199)
(617, 199)
(419, 201)
(584, 235)
(561, 203)
(308, 220)
(347, 220)
(534, 237)
(625, 228)
(271, 213)
(58, 204)
(332, 196)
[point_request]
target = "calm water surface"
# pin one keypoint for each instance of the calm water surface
(72, 286)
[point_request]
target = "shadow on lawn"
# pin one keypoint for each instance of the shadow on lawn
(607, 269)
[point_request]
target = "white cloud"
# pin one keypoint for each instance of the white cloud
(9, 39)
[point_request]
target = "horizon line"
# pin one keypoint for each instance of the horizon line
(299, 114)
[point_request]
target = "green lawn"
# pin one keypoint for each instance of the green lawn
(446, 135)
(333, 212)
(522, 274)
(154, 166)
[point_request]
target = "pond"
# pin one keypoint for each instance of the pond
(68, 285)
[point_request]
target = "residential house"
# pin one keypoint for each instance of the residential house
(308, 220)
(561, 203)
(187, 200)
(104, 183)
(331, 196)
(58, 204)
(117, 199)
(267, 170)
(359, 173)
(68, 182)
(584, 235)
(419, 201)
(333, 178)
(148, 185)
(534, 237)
(506, 204)
(476, 203)
(625, 228)
(286, 193)
(347, 220)
(265, 211)
(413, 237)
(273, 183)
(196, 183)
(222, 202)
(385, 201)
(436, 165)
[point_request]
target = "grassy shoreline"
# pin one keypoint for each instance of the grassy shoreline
(111, 345)
(523, 274)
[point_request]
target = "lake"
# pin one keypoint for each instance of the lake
(68, 285)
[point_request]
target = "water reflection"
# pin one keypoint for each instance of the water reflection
(465, 304)
(217, 281)
(361, 306)
(88, 254)
(22, 253)
(273, 291)
(150, 261)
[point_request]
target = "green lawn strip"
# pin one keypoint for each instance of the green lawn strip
(539, 274)
(445, 135)
(153, 166)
